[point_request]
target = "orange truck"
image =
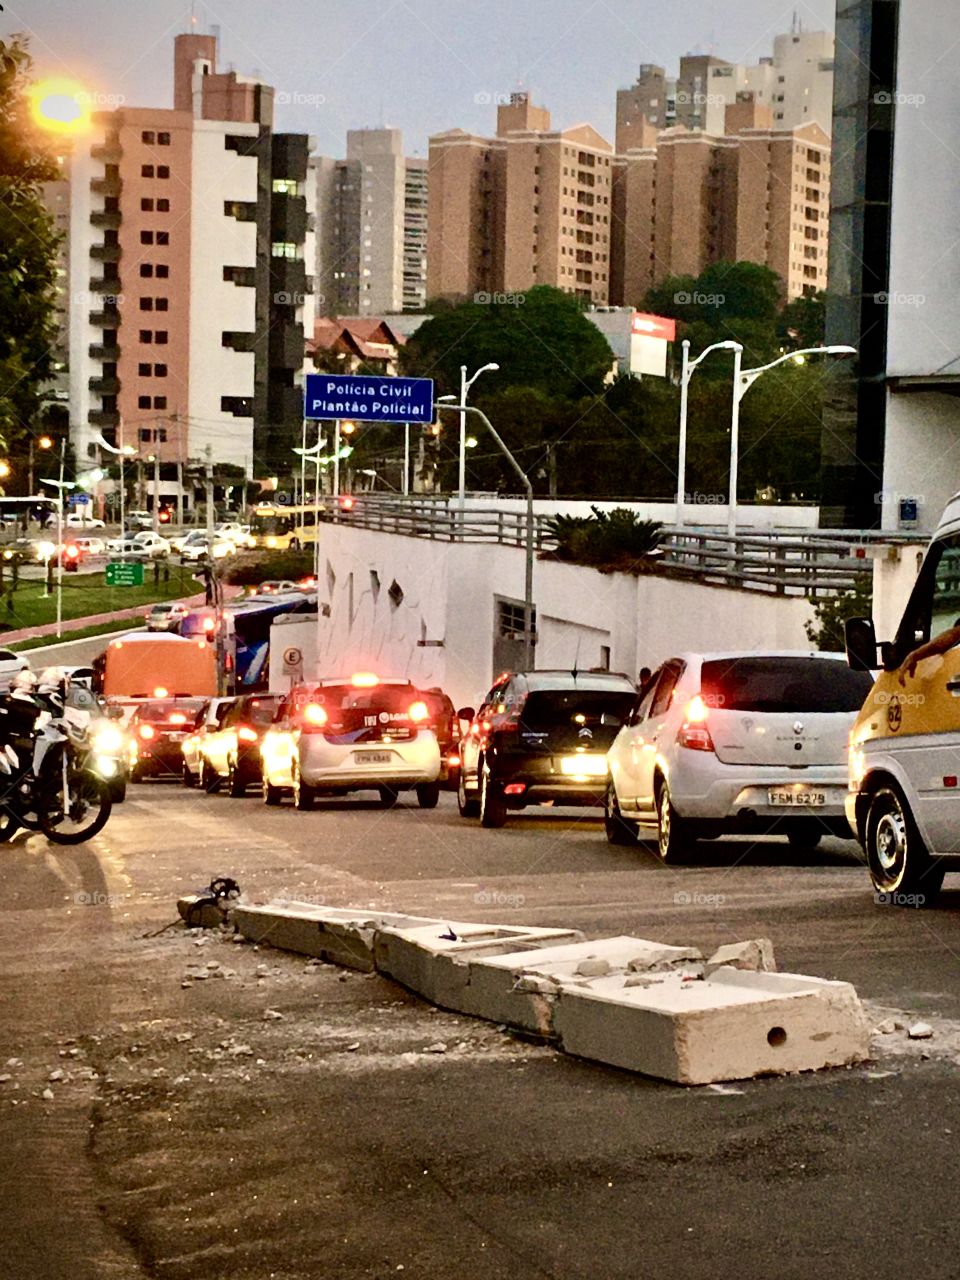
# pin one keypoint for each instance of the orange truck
(157, 666)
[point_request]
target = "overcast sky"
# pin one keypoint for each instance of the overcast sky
(421, 65)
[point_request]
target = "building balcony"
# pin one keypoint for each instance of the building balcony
(98, 351)
(244, 276)
(105, 252)
(286, 346)
(104, 386)
(105, 284)
(108, 318)
(107, 219)
(108, 152)
(238, 341)
(103, 418)
(288, 218)
(284, 404)
(106, 186)
(288, 277)
(288, 156)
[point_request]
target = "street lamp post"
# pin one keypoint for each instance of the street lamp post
(528, 636)
(124, 451)
(686, 373)
(314, 454)
(743, 380)
(60, 485)
(465, 385)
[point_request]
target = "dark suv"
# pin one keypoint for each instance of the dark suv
(540, 736)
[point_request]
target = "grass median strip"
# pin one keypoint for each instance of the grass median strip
(86, 595)
(82, 633)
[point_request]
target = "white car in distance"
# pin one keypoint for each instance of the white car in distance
(743, 743)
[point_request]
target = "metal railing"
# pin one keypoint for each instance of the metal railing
(810, 563)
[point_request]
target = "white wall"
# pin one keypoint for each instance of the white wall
(448, 595)
(216, 305)
(921, 455)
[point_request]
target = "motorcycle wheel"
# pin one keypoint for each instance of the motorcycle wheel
(9, 826)
(85, 812)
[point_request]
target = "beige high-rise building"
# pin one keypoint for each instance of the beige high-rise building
(756, 193)
(372, 242)
(532, 206)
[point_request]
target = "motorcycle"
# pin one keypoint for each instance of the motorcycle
(50, 778)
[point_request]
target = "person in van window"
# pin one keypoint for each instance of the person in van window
(643, 680)
(937, 645)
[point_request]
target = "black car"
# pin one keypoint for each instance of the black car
(540, 737)
(157, 730)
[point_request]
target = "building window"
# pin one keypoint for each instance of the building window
(143, 402)
(146, 268)
(149, 137)
(146, 205)
(146, 237)
(146, 171)
(144, 370)
(159, 370)
(163, 271)
(163, 139)
(283, 249)
(146, 304)
(163, 171)
(284, 187)
(163, 206)
(161, 337)
(159, 402)
(146, 335)
(161, 304)
(163, 237)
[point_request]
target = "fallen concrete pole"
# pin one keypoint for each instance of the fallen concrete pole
(339, 935)
(731, 1025)
(628, 1002)
(434, 960)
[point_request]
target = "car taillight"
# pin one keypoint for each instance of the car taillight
(364, 680)
(246, 734)
(693, 733)
(453, 760)
(418, 711)
(147, 731)
(314, 716)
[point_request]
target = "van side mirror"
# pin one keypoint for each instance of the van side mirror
(860, 641)
(466, 713)
(888, 656)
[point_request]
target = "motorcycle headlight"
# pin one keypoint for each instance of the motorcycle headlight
(105, 766)
(108, 740)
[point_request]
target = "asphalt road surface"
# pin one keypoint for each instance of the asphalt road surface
(179, 1106)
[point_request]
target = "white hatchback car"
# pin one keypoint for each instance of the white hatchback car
(360, 733)
(736, 743)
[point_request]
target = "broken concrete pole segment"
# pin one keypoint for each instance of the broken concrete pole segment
(200, 911)
(755, 955)
(521, 990)
(339, 935)
(731, 1025)
(435, 962)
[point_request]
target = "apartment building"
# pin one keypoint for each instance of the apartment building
(373, 211)
(531, 206)
(796, 83)
(190, 229)
(754, 193)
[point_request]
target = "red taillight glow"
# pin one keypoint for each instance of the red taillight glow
(514, 788)
(418, 712)
(453, 761)
(246, 734)
(73, 551)
(364, 680)
(209, 624)
(313, 713)
(147, 732)
(697, 710)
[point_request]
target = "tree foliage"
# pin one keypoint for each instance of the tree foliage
(28, 250)
(616, 539)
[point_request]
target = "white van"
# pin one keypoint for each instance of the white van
(904, 758)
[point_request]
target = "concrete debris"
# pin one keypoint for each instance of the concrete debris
(240, 1051)
(272, 1015)
(920, 1031)
(755, 956)
(438, 1047)
(183, 1036)
(55, 1075)
(352, 1048)
(5, 1077)
(597, 968)
(48, 1095)
(886, 1027)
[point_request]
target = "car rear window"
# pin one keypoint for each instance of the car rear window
(262, 710)
(352, 708)
(547, 709)
(159, 711)
(783, 684)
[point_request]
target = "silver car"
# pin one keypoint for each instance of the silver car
(358, 733)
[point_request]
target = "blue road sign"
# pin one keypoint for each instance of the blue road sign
(364, 399)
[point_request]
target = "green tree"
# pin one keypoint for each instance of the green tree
(803, 322)
(28, 251)
(543, 341)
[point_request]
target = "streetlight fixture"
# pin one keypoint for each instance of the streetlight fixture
(465, 385)
(528, 639)
(124, 451)
(686, 373)
(743, 380)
